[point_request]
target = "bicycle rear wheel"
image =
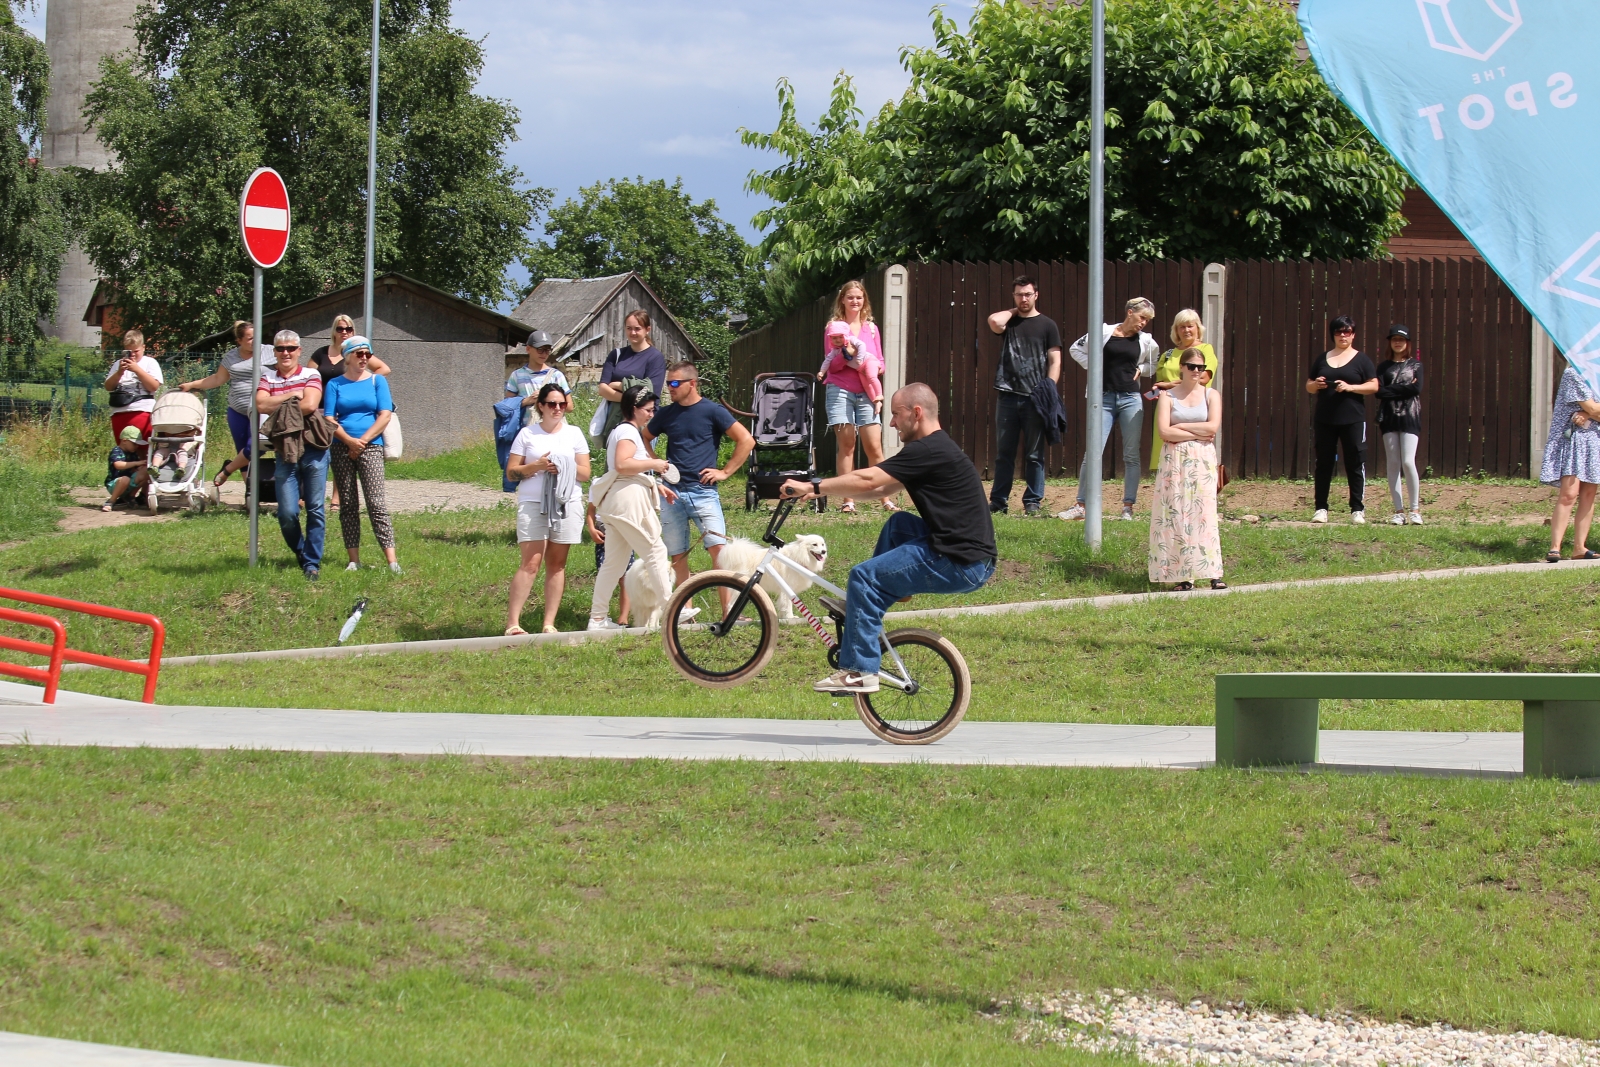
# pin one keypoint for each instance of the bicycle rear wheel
(712, 659)
(939, 696)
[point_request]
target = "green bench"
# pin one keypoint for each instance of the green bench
(1272, 718)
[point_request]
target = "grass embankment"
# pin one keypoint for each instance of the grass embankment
(1147, 663)
(359, 910)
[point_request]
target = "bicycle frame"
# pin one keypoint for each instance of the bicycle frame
(902, 681)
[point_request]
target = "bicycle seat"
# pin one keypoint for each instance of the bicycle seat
(834, 605)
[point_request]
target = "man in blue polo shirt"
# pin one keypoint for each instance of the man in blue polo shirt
(694, 427)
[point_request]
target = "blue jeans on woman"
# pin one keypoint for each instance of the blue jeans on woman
(1127, 410)
(904, 563)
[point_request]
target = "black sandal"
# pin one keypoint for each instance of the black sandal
(1218, 583)
(1552, 557)
(1183, 587)
(1588, 553)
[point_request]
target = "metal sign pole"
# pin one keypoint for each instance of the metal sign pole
(1097, 282)
(372, 175)
(255, 432)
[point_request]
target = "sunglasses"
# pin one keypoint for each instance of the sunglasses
(1344, 333)
(285, 348)
(675, 382)
(1194, 366)
(360, 353)
(344, 329)
(554, 405)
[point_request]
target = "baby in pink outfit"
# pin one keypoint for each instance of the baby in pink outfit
(859, 373)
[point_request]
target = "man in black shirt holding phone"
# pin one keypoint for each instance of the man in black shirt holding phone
(948, 549)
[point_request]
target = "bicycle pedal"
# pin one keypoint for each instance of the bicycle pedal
(835, 607)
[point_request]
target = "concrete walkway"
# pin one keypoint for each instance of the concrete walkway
(25, 1050)
(85, 720)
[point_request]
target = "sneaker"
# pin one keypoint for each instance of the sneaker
(1416, 518)
(1358, 518)
(1073, 514)
(997, 509)
(347, 566)
(1127, 513)
(687, 615)
(604, 624)
(394, 568)
(1399, 519)
(1031, 511)
(847, 682)
(312, 574)
(1320, 516)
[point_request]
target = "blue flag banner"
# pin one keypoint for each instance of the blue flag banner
(1486, 104)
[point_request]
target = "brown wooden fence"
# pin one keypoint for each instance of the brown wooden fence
(1475, 339)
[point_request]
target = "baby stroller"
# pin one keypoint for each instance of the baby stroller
(783, 421)
(178, 453)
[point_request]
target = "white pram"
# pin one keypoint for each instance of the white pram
(178, 453)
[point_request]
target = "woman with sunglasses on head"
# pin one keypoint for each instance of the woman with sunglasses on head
(329, 361)
(1341, 378)
(359, 403)
(1185, 542)
(550, 461)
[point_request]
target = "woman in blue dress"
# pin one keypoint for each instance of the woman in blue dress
(1572, 462)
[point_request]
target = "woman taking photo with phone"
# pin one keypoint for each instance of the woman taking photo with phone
(1185, 542)
(1341, 379)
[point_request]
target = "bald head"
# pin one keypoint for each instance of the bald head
(914, 410)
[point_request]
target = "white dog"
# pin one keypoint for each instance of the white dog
(740, 556)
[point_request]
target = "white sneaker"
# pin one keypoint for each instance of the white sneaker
(1320, 516)
(1073, 514)
(604, 624)
(1358, 518)
(1399, 519)
(848, 682)
(687, 615)
(1127, 513)
(350, 566)
(1416, 518)
(394, 568)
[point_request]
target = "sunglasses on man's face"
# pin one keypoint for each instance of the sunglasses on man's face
(286, 348)
(675, 382)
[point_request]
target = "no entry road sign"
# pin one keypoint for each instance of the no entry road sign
(264, 217)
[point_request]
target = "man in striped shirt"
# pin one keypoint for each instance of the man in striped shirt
(289, 382)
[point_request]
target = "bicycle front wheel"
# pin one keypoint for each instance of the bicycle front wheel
(718, 660)
(936, 699)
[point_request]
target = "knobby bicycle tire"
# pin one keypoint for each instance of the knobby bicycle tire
(707, 659)
(944, 691)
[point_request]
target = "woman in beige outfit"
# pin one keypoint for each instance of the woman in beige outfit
(628, 507)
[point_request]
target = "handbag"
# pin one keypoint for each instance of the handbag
(393, 440)
(127, 395)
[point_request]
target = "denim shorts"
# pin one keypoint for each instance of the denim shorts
(849, 409)
(699, 503)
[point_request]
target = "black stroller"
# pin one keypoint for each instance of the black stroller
(782, 421)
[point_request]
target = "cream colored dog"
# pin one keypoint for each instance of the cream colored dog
(645, 601)
(809, 550)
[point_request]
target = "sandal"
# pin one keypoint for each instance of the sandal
(1183, 587)
(516, 631)
(1218, 583)
(890, 505)
(550, 630)
(1588, 553)
(107, 505)
(848, 507)
(1552, 557)
(222, 478)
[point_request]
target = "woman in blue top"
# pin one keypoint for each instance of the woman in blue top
(358, 401)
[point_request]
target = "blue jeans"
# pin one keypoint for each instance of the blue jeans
(1127, 409)
(698, 502)
(1015, 418)
(903, 563)
(308, 478)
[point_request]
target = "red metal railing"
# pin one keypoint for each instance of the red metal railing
(150, 670)
(49, 677)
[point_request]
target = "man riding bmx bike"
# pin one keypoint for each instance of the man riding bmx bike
(947, 547)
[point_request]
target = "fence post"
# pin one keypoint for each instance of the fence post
(896, 292)
(1213, 317)
(1541, 395)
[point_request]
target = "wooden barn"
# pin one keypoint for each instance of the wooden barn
(585, 318)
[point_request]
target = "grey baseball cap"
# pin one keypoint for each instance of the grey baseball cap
(539, 339)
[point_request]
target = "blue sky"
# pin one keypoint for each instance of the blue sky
(659, 88)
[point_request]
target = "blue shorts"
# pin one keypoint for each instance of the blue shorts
(849, 409)
(700, 503)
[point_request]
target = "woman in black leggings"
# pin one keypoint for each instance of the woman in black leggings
(1341, 378)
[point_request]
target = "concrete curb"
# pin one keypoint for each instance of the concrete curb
(1111, 600)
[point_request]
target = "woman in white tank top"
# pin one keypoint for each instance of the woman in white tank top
(1185, 541)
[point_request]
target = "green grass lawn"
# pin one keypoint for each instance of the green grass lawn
(1143, 663)
(304, 910)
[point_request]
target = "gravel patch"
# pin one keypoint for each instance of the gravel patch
(1162, 1031)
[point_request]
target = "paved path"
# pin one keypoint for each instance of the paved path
(25, 1050)
(86, 720)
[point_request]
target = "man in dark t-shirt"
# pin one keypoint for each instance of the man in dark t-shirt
(1030, 352)
(947, 547)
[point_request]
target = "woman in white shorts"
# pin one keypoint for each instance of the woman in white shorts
(550, 460)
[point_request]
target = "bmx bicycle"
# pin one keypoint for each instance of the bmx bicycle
(924, 686)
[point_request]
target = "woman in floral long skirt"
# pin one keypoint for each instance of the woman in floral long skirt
(1185, 545)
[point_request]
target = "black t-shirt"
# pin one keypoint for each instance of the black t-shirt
(693, 434)
(945, 487)
(1025, 353)
(1341, 409)
(326, 367)
(1122, 364)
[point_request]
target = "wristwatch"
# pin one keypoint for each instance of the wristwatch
(816, 486)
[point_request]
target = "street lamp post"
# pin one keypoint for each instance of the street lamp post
(372, 174)
(1095, 415)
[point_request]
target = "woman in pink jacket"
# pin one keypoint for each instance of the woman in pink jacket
(852, 367)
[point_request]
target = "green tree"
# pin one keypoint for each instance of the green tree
(694, 261)
(217, 88)
(33, 200)
(1221, 143)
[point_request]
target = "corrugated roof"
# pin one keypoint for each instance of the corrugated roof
(559, 306)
